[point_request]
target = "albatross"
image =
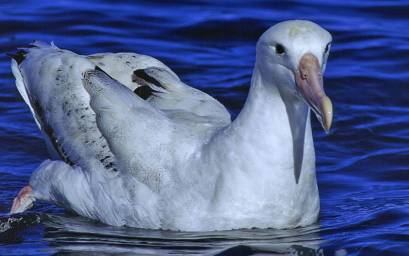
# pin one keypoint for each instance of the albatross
(131, 144)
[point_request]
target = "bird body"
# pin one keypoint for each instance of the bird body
(133, 145)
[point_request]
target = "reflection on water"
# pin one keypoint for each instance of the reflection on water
(75, 234)
(362, 164)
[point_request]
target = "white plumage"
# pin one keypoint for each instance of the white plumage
(134, 145)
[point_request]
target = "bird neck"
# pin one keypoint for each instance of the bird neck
(273, 130)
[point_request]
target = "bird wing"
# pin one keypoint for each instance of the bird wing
(156, 83)
(141, 112)
(50, 81)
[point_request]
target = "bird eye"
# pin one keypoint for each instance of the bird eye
(280, 49)
(327, 47)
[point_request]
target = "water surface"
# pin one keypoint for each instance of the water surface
(362, 165)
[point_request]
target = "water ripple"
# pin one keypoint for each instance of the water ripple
(362, 164)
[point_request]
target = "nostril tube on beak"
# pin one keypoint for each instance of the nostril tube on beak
(309, 81)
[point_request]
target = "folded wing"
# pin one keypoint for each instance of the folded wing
(120, 111)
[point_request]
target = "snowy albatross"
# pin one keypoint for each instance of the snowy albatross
(131, 144)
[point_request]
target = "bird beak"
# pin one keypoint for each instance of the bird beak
(309, 83)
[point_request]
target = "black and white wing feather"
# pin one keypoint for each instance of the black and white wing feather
(50, 81)
(153, 106)
(153, 81)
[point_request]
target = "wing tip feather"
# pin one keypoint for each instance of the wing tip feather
(20, 55)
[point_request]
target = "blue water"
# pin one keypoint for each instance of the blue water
(363, 164)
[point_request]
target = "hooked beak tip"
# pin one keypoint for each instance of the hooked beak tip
(327, 113)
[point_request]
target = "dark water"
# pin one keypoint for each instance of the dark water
(363, 165)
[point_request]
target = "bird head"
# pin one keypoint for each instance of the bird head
(292, 55)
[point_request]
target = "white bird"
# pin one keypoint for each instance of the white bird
(133, 145)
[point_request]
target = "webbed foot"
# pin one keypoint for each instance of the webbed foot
(23, 201)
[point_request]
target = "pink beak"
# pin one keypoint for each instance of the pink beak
(310, 85)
